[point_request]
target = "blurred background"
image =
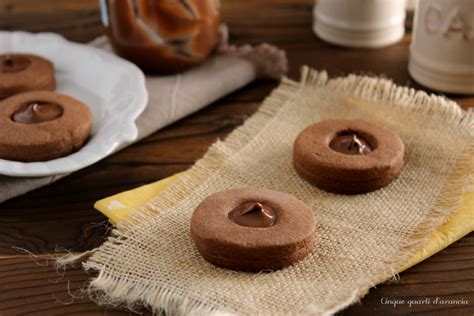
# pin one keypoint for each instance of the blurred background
(287, 24)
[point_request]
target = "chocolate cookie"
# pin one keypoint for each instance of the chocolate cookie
(22, 72)
(42, 125)
(348, 156)
(253, 229)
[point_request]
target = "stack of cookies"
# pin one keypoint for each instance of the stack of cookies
(37, 124)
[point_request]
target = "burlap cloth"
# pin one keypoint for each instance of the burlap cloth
(361, 240)
(176, 96)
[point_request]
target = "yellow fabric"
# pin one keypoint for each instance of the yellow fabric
(117, 207)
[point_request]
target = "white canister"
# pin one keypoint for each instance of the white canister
(411, 5)
(360, 23)
(442, 48)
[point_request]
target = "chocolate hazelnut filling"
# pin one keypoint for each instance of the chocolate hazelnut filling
(253, 214)
(37, 112)
(350, 143)
(10, 64)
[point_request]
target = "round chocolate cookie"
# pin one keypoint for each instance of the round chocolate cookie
(42, 125)
(253, 229)
(23, 72)
(348, 156)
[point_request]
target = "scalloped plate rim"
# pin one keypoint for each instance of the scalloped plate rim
(89, 155)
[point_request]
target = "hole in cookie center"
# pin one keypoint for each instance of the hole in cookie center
(253, 214)
(350, 143)
(9, 64)
(37, 112)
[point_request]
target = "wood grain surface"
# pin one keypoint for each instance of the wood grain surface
(36, 226)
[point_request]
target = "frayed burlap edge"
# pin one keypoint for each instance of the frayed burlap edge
(110, 290)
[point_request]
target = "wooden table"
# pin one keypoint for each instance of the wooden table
(61, 215)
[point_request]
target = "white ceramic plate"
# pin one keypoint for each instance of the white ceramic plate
(113, 88)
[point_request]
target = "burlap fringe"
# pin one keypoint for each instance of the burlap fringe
(113, 291)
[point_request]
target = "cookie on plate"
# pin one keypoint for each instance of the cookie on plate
(42, 125)
(24, 72)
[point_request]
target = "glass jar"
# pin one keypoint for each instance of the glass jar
(162, 36)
